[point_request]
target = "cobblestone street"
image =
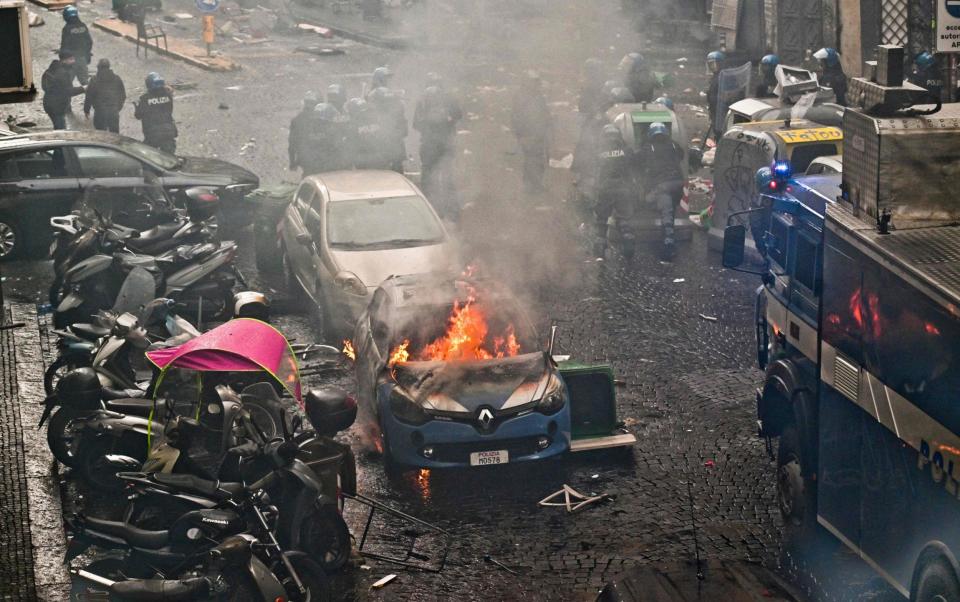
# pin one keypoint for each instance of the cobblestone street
(679, 335)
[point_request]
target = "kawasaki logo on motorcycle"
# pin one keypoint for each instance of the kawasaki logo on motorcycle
(215, 521)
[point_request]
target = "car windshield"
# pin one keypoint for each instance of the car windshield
(148, 153)
(385, 223)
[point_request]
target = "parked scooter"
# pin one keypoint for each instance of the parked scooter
(200, 277)
(192, 533)
(156, 226)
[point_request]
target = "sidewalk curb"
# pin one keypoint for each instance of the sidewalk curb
(43, 486)
(351, 34)
(218, 64)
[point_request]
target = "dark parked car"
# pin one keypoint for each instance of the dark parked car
(42, 174)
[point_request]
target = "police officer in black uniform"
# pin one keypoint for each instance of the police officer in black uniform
(662, 162)
(616, 191)
(155, 112)
(768, 76)
(75, 38)
(299, 130)
(105, 95)
(369, 144)
(435, 117)
(389, 112)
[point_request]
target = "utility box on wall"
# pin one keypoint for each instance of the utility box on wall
(16, 68)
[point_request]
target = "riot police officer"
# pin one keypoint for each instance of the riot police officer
(380, 78)
(75, 39)
(831, 73)
(616, 191)
(435, 117)
(155, 112)
(368, 144)
(389, 112)
(926, 75)
(323, 149)
(714, 66)
(665, 101)
(638, 78)
(299, 130)
(768, 76)
(336, 96)
(661, 160)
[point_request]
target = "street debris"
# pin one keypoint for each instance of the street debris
(573, 500)
(565, 163)
(384, 581)
(320, 50)
(708, 318)
(678, 280)
(492, 560)
(322, 31)
(34, 19)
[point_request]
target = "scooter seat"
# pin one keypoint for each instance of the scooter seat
(156, 233)
(90, 332)
(138, 538)
(138, 406)
(120, 394)
(188, 483)
(138, 261)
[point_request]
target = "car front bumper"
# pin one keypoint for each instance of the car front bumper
(453, 442)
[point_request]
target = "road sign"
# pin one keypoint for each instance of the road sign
(208, 6)
(948, 26)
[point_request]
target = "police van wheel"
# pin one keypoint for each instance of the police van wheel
(11, 241)
(792, 490)
(937, 582)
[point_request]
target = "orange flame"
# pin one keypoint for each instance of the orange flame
(348, 350)
(399, 353)
(465, 339)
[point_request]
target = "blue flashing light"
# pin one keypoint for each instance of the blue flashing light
(782, 170)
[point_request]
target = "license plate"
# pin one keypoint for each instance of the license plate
(487, 458)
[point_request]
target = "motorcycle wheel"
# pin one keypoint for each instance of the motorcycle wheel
(325, 536)
(313, 578)
(91, 464)
(60, 367)
(59, 438)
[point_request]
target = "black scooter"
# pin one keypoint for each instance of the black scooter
(171, 551)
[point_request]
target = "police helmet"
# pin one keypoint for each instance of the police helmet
(828, 56)
(381, 75)
(355, 106)
(251, 304)
(611, 131)
(717, 56)
(656, 129)
(621, 95)
(924, 60)
(770, 59)
(667, 102)
(71, 13)
(763, 177)
(310, 99)
(80, 387)
(380, 96)
(609, 85)
(335, 94)
(632, 62)
(154, 81)
(103, 64)
(326, 112)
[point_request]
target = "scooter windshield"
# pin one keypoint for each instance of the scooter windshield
(138, 290)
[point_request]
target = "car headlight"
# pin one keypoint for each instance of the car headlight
(406, 409)
(553, 396)
(349, 282)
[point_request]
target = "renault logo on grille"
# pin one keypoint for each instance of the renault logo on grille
(485, 417)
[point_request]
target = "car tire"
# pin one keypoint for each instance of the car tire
(12, 244)
(936, 582)
(57, 439)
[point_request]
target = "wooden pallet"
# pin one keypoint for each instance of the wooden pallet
(54, 4)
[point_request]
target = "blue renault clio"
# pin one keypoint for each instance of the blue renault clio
(454, 375)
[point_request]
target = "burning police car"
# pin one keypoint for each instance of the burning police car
(453, 374)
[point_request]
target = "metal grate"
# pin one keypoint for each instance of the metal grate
(846, 378)
(894, 21)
